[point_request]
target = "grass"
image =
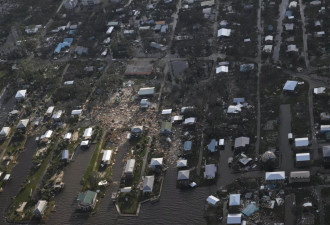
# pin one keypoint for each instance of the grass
(129, 206)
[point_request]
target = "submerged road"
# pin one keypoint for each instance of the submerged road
(278, 38)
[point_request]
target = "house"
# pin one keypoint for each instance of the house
(20, 95)
(22, 124)
(222, 69)
(76, 112)
(234, 109)
(224, 32)
(148, 184)
(326, 155)
(290, 86)
(87, 200)
(88, 133)
(182, 163)
(149, 91)
(299, 176)
(288, 26)
(190, 121)
(319, 90)
(65, 44)
(234, 200)
(4, 132)
(106, 158)
(187, 108)
(187, 145)
(166, 128)
(136, 130)
(212, 145)
(221, 144)
(293, 4)
(275, 176)
(301, 142)
(144, 103)
(242, 143)
(183, 177)
(303, 159)
(84, 144)
(65, 155)
(246, 67)
(234, 218)
(57, 115)
(47, 135)
(70, 4)
(49, 111)
(158, 46)
(90, 2)
(212, 200)
(292, 48)
(129, 169)
(40, 208)
(268, 48)
(109, 30)
(324, 129)
(166, 111)
(156, 163)
(67, 136)
(175, 119)
(269, 38)
(210, 171)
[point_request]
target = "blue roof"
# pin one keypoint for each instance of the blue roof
(187, 145)
(290, 85)
(65, 154)
(270, 27)
(212, 145)
(250, 209)
(239, 100)
(66, 43)
(288, 13)
(246, 67)
(68, 40)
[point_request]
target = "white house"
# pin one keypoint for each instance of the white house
(40, 208)
(234, 218)
(88, 133)
(76, 112)
(129, 169)
(156, 162)
(106, 159)
(222, 69)
(212, 200)
(46, 135)
(20, 95)
(57, 115)
(182, 163)
(224, 32)
(68, 136)
(301, 142)
(303, 157)
(148, 184)
(146, 91)
(183, 175)
(50, 110)
(22, 124)
(5, 131)
(290, 85)
(166, 111)
(190, 121)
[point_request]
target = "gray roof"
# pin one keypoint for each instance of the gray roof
(183, 175)
(187, 145)
(211, 146)
(242, 142)
(148, 183)
(65, 154)
(326, 151)
(23, 123)
(147, 91)
(210, 171)
(130, 166)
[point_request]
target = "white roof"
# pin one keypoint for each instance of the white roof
(6, 177)
(292, 48)
(224, 32)
(301, 142)
(69, 82)
(176, 118)
(68, 136)
(20, 94)
(130, 166)
(234, 218)
(221, 141)
(183, 109)
(268, 48)
(76, 112)
(290, 85)
(212, 200)
(88, 132)
(57, 114)
(319, 90)
(106, 155)
(190, 120)
(23, 123)
(156, 162)
(307, 204)
(125, 189)
(50, 110)
(84, 143)
(48, 134)
(146, 91)
(290, 135)
(148, 183)
(234, 199)
(5, 131)
(166, 111)
(110, 29)
(293, 4)
(182, 163)
(280, 175)
(269, 38)
(41, 206)
(222, 69)
(234, 109)
(303, 157)
(183, 174)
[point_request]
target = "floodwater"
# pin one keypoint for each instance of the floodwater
(18, 175)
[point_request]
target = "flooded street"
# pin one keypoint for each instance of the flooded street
(18, 175)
